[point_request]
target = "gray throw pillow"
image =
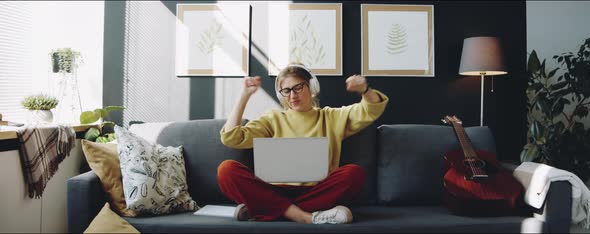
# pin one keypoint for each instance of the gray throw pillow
(154, 176)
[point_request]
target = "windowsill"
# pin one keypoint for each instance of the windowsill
(8, 133)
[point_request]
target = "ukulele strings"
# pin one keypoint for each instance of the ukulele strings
(468, 152)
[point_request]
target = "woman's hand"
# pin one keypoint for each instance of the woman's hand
(356, 83)
(251, 84)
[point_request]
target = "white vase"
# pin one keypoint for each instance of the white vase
(41, 116)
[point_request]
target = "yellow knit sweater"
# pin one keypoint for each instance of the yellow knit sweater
(334, 123)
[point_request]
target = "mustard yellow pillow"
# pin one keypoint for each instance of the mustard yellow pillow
(108, 221)
(103, 159)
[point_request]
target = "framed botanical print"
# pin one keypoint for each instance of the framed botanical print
(212, 39)
(397, 40)
(307, 33)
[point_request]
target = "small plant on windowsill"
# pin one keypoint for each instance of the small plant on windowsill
(104, 133)
(40, 107)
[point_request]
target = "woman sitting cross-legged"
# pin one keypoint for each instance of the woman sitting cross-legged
(315, 202)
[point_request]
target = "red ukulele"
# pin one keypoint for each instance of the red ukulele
(475, 184)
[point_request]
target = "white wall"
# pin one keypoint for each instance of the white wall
(75, 24)
(556, 27)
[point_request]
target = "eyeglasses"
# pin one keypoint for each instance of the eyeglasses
(296, 89)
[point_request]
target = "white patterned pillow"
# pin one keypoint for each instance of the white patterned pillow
(154, 176)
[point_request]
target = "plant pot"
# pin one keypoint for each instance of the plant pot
(61, 63)
(41, 116)
(55, 62)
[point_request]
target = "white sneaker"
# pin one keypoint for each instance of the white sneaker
(241, 213)
(336, 215)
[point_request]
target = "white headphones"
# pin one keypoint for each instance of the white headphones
(314, 84)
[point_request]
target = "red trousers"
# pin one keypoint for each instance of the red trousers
(267, 202)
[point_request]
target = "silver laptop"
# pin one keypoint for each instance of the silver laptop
(279, 160)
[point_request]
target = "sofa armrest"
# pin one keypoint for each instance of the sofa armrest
(85, 198)
(558, 208)
(509, 166)
(558, 204)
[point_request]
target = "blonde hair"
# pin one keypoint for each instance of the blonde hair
(298, 70)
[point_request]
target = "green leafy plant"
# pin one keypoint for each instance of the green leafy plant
(104, 133)
(559, 102)
(39, 102)
(64, 60)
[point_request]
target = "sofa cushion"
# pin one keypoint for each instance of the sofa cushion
(107, 221)
(203, 152)
(360, 149)
(103, 158)
(366, 219)
(410, 161)
(148, 131)
(154, 176)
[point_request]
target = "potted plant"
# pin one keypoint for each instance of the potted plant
(64, 60)
(558, 105)
(104, 133)
(40, 107)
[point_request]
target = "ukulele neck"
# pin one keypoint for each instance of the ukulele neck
(464, 141)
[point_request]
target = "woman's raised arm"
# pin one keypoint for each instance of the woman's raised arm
(251, 84)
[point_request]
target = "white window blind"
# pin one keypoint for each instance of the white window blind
(149, 65)
(15, 58)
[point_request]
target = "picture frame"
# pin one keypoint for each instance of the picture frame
(397, 40)
(213, 39)
(313, 37)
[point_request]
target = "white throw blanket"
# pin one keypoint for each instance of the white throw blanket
(536, 179)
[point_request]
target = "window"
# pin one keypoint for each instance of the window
(15, 58)
(29, 32)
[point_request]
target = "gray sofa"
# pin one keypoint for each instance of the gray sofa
(403, 190)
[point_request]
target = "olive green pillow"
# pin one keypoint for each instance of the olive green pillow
(108, 221)
(103, 159)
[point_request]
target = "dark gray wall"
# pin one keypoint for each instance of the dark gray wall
(113, 57)
(421, 100)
